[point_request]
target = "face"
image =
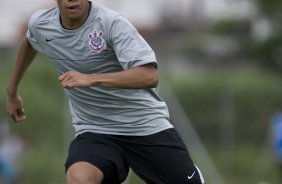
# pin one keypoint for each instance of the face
(73, 9)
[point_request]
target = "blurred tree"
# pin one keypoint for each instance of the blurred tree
(269, 51)
(271, 8)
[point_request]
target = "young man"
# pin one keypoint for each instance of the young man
(108, 72)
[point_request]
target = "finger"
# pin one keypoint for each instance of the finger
(69, 85)
(12, 114)
(67, 78)
(63, 76)
(21, 111)
(64, 81)
(20, 116)
(17, 118)
(66, 75)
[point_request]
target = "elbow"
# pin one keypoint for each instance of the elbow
(149, 76)
(153, 79)
(153, 82)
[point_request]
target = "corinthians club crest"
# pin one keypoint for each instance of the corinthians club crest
(96, 41)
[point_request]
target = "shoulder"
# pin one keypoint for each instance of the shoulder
(105, 13)
(108, 16)
(43, 17)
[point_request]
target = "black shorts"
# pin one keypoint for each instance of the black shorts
(161, 158)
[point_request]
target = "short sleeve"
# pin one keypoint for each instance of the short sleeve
(31, 33)
(130, 47)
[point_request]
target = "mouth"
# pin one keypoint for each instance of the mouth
(74, 8)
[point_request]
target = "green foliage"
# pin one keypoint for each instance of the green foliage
(42, 131)
(270, 7)
(252, 96)
(230, 27)
(43, 165)
(245, 99)
(268, 53)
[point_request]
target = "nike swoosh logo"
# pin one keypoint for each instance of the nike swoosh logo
(191, 176)
(48, 40)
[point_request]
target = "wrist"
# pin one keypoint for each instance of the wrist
(11, 91)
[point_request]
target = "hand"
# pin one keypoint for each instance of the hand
(15, 108)
(73, 79)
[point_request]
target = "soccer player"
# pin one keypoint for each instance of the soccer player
(108, 72)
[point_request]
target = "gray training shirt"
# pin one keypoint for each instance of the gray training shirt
(106, 42)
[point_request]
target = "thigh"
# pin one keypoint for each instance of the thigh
(161, 158)
(100, 151)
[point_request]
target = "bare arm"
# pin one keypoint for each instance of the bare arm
(140, 77)
(25, 56)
